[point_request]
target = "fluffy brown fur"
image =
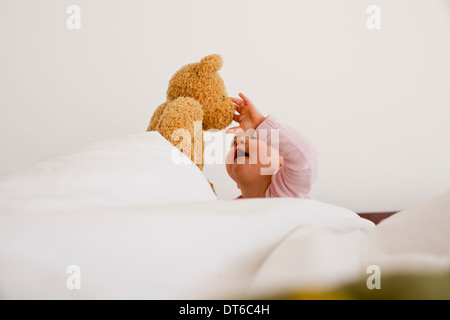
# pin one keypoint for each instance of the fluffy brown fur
(196, 93)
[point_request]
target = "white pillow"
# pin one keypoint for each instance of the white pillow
(137, 169)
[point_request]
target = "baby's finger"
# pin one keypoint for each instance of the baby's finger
(237, 101)
(246, 100)
(237, 107)
(237, 118)
(232, 130)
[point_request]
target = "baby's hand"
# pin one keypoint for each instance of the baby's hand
(248, 116)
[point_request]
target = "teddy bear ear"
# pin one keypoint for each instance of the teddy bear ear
(210, 64)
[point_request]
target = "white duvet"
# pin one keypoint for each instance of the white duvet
(175, 240)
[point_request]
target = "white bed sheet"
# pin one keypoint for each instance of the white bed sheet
(190, 250)
(140, 227)
(324, 255)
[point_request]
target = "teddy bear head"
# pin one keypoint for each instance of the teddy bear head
(202, 82)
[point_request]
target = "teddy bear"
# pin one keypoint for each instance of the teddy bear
(196, 101)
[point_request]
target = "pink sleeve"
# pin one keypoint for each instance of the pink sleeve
(299, 171)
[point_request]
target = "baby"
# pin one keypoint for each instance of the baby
(269, 159)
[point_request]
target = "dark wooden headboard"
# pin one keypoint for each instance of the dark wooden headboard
(376, 217)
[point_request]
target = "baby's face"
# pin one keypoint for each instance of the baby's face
(251, 160)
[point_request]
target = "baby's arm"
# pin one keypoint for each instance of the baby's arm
(299, 169)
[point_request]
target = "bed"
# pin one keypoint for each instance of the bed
(131, 224)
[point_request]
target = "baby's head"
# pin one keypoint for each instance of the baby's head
(250, 162)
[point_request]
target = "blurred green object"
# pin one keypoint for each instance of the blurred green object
(399, 286)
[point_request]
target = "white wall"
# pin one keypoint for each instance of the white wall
(375, 102)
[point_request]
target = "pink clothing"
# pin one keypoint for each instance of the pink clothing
(295, 177)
